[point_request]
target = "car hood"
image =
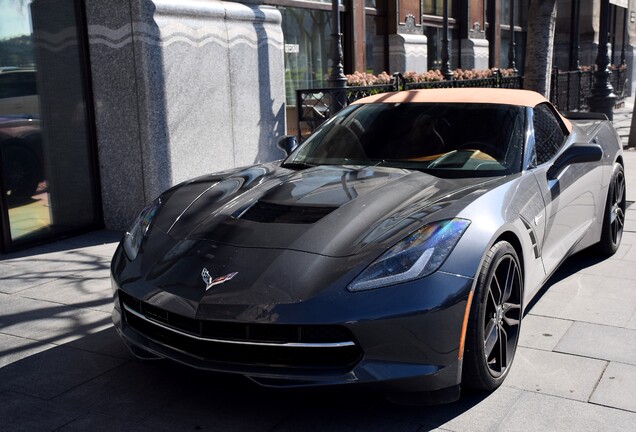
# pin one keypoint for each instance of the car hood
(333, 211)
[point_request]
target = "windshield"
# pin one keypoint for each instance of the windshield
(467, 140)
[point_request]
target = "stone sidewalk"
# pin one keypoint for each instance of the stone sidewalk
(63, 368)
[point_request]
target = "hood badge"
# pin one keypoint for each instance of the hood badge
(210, 281)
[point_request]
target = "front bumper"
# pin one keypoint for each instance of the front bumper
(402, 338)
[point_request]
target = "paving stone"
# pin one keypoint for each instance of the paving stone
(617, 387)
(102, 423)
(19, 413)
(14, 280)
(541, 332)
(230, 403)
(537, 412)
(629, 237)
(13, 348)
(600, 342)
(55, 371)
(632, 323)
(555, 374)
(484, 415)
(590, 298)
(75, 290)
(22, 273)
(132, 391)
(50, 322)
(626, 253)
(105, 342)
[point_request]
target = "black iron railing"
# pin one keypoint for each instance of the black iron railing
(569, 90)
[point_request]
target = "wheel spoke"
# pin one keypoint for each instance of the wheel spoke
(503, 349)
(491, 336)
(498, 286)
(515, 310)
(510, 278)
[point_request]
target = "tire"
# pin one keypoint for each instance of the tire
(495, 317)
(614, 214)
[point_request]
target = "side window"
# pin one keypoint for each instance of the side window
(548, 133)
(8, 86)
(26, 82)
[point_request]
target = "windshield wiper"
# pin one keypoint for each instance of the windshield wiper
(296, 165)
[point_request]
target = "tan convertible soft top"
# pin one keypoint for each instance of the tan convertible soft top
(515, 97)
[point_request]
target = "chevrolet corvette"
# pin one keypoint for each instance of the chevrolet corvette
(397, 246)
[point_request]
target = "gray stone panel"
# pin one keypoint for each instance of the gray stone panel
(116, 110)
(592, 298)
(617, 387)
(542, 332)
(555, 374)
(198, 87)
(535, 412)
(598, 341)
(474, 53)
(256, 60)
(408, 53)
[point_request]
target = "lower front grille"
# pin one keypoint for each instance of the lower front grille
(267, 345)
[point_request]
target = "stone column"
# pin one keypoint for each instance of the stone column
(407, 53)
(474, 49)
(181, 88)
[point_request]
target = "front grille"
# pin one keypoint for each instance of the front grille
(243, 343)
(266, 212)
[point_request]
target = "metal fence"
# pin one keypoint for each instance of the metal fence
(569, 92)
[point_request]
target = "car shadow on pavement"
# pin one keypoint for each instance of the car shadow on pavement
(94, 383)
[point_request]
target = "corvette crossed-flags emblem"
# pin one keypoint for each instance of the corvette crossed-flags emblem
(210, 281)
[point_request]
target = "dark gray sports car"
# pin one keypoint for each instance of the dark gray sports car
(398, 245)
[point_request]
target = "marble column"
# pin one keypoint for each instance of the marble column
(181, 88)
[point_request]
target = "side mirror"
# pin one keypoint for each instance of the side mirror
(577, 153)
(288, 143)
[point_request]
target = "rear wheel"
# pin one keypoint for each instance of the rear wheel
(494, 321)
(614, 216)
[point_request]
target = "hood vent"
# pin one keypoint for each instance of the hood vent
(266, 212)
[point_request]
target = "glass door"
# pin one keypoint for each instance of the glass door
(47, 157)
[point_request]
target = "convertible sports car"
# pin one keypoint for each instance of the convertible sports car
(398, 245)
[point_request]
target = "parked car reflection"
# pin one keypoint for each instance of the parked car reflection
(22, 163)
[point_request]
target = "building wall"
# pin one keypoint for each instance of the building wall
(181, 89)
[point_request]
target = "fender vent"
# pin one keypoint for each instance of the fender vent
(533, 236)
(266, 212)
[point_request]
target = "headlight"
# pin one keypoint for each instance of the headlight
(139, 228)
(416, 256)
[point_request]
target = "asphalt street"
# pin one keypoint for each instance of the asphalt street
(63, 367)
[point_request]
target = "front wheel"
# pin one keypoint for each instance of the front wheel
(614, 215)
(495, 318)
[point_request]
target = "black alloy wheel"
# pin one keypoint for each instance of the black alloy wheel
(495, 319)
(614, 218)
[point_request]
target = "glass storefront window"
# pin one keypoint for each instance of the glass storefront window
(434, 41)
(376, 45)
(433, 7)
(47, 176)
(307, 34)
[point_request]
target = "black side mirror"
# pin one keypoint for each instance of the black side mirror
(288, 143)
(577, 153)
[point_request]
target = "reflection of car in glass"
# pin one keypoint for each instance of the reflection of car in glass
(398, 245)
(18, 93)
(22, 164)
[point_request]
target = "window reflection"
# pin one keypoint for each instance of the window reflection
(307, 34)
(24, 188)
(46, 174)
